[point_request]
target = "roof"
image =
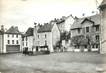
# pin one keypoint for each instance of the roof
(29, 32)
(77, 23)
(94, 18)
(60, 21)
(13, 30)
(45, 28)
(103, 4)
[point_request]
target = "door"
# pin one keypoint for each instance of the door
(12, 48)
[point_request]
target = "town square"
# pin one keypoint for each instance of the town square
(32, 41)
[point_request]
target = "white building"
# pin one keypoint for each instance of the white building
(28, 39)
(47, 34)
(11, 40)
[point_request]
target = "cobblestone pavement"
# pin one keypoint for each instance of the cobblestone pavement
(67, 62)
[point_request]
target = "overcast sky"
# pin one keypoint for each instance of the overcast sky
(23, 13)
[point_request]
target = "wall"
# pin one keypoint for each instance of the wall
(41, 40)
(1, 43)
(55, 34)
(74, 32)
(68, 22)
(6, 38)
(103, 31)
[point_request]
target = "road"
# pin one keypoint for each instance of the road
(67, 62)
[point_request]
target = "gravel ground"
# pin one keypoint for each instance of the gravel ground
(67, 62)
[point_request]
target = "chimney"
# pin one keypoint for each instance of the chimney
(76, 18)
(35, 24)
(71, 16)
(2, 27)
(83, 14)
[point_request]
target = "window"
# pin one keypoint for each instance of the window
(45, 36)
(13, 35)
(78, 30)
(97, 46)
(26, 43)
(17, 35)
(45, 42)
(23, 43)
(38, 36)
(93, 46)
(26, 38)
(87, 29)
(12, 41)
(97, 28)
(22, 38)
(8, 41)
(97, 37)
(8, 35)
(17, 42)
(85, 46)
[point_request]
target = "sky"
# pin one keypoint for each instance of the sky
(23, 13)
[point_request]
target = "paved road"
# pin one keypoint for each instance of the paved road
(67, 62)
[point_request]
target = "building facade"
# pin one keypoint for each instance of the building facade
(103, 26)
(28, 39)
(11, 40)
(89, 27)
(1, 41)
(47, 34)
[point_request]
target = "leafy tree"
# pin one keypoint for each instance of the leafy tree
(78, 41)
(81, 40)
(65, 36)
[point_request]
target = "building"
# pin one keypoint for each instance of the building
(28, 39)
(47, 34)
(1, 41)
(89, 27)
(103, 26)
(11, 40)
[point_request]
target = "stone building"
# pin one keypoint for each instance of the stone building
(88, 27)
(103, 26)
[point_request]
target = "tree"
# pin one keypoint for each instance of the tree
(81, 40)
(78, 41)
(65, 36)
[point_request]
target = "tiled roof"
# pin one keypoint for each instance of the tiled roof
(60, 21)
(13, 30)
(45, 28)
(77, 23)
(29, 32)
(94, 18)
